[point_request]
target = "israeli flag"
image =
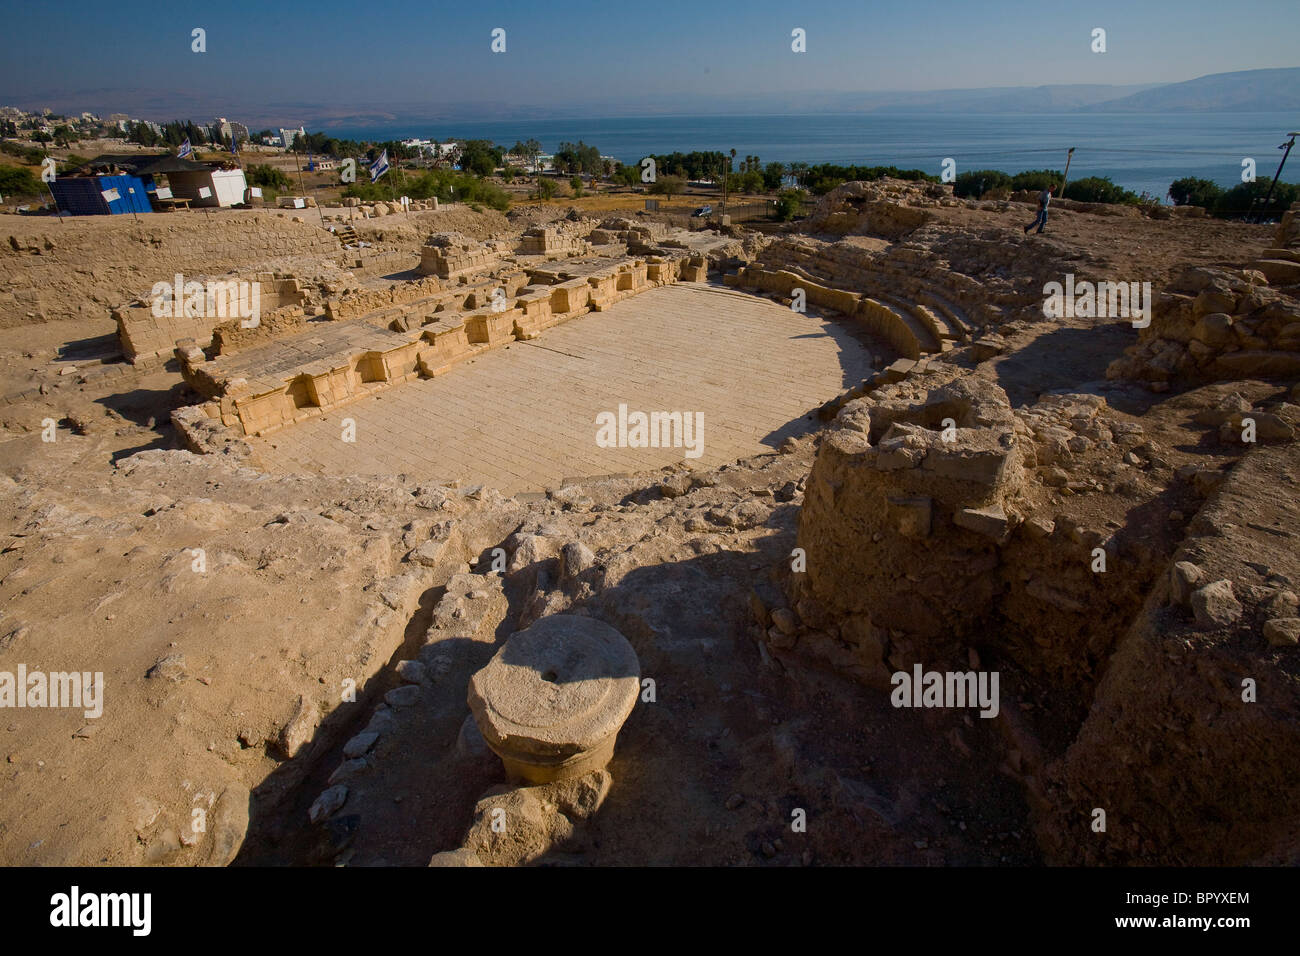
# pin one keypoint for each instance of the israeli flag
(186, 150)
(379, 166)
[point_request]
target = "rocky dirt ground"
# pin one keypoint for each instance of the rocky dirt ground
(289, 655)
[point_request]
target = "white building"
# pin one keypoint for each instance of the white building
(224, 187)
(287, 136)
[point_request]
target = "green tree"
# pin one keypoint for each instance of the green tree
(1239, 200)
(578, 158)
(481, 157)
(268, 176)
(750, 181)
(694, 165)
(142, 134)
(533, 149)
(667, 186)
(576, 185)
(17, 181)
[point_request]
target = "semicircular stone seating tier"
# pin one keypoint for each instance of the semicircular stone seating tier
(908, 312)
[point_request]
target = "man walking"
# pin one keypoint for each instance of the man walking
(1044, 200)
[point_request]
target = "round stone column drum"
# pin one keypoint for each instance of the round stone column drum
(552, 700)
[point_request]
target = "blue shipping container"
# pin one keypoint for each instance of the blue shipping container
(83, 195)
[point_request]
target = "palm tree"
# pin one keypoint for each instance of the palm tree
(534, 150)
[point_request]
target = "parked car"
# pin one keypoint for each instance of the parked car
(702, 211)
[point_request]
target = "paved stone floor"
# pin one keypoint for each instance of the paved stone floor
(523, 418)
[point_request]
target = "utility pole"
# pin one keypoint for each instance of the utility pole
(1065, 178)
(726, 176)
(1271, 186)
(297, 161)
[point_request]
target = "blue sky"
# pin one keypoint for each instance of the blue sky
(344, 55)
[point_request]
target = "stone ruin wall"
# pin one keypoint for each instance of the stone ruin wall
(146, 337)
(933, 550)
(1215, 324)
(105, 259)
(450, 255)
(413, 330)
(556, 240)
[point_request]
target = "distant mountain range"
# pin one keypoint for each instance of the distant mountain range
(1246, 91)
(1273, 90)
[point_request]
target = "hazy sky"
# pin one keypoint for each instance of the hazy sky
(394, 54)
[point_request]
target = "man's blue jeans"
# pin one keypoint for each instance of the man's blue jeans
(1040, 220)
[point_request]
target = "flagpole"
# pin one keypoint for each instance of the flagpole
(405, 207)
(392, 188)
(185, 152)
(319, 211)
(58, 214)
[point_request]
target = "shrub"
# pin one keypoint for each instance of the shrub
(788, 202)
(668, 186)
(545, 189)
(445, 184)
(825, 177)
(974, 184)
(576, 185)
(1190, 191)
(1036, 180)
(1099, 189)
(28, 154)
(267, 177)
(1237, 201)
(16, 181)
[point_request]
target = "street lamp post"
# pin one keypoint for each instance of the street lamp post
(1271, 186)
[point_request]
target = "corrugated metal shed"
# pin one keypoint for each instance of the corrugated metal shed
(84, 195)
(131, 191)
